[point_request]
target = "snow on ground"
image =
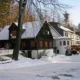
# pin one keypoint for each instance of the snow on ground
(55, 59)
(59, 67)
(27, 62)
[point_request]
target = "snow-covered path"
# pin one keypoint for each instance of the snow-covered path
(61, 68)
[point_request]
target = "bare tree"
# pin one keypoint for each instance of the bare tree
(50, 9)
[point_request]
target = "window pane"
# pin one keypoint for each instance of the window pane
(64, 42)
(50, 44)
(13, 33)
(23, 44)
(67, 42)
(41, 44)
(46, 44)
(60, 43)
(32, 43)
(66, 34)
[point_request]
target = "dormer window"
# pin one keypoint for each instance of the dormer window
(66, 34)
(13, 34)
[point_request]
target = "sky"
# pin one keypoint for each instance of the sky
(74, 11)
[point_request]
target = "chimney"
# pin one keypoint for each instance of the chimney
(66, 20)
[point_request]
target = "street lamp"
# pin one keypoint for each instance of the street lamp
(22, 4)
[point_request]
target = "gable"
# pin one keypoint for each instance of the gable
(13, 27)
(45, 32)
(13, 30)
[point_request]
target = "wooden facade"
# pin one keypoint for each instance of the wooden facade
(43, 39)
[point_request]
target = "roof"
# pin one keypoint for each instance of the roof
(4, 33)
(65, 29)
(62, 37)
(55, 26)
(31, 29)
(54, 32)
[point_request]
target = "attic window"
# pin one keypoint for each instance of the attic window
(13, 33)
(44, 32)
(48, 32)
(66, 34)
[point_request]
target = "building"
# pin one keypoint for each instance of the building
(62, 38)
(36, 38)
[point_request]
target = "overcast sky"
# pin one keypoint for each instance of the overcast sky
(74, 11)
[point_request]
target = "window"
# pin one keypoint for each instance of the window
(13, 33)
(60, 43)
(67, 42)
(41, 44)
(23, 44)
(66, 34)
(48, 33)
(44, 32)
(50, 44)
(64, 42)
(32, 43)
(46, 44)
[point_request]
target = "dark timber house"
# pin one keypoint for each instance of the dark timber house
(35, 38)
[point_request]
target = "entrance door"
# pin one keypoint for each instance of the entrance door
(29, 54)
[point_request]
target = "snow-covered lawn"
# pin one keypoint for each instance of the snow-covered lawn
(59, 67)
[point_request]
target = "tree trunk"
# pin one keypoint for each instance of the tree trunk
(18, 35)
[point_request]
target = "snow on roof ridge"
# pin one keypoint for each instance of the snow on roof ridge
(66, 29)
(62, 37)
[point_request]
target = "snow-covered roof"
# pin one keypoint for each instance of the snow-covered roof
(31, 29)
(58, 30)
(54, 32)
(65, 29)
(62, 37)
(4, 33)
